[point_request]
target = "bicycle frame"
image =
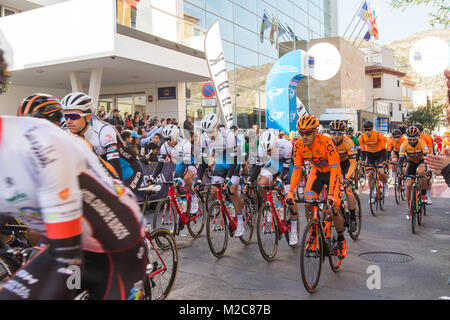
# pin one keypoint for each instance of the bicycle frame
(173, 201)
(223, 208)
(281, 223)
(151, 275)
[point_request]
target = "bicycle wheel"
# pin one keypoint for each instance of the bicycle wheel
(267, 233)
(381, 195)
(362, 178)
(397, 190)
(413, 210)
(311, 256)
(358, 216)
(7, 267)
(162, 253)
(335, 262)
(248, 218)
(374, 205)
(217, 230)
(166, 216)
(197, 220)
(420, 207)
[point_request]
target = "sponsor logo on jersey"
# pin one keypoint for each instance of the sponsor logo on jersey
(17, 197)
(42, 153)
(119, 189)
(25, 275)
(9, 182)
(65, 194)
(17, 288)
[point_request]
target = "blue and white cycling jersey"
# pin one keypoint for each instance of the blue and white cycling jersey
(223, 147)
(181, 154)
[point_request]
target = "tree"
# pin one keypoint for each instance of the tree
(440, 15)
(430, 116)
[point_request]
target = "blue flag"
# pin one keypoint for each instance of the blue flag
(264, 25)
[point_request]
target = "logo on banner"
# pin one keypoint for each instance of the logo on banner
(292, 116)
(291, 93)
(275, 115)
(417, 56)
(274, 92)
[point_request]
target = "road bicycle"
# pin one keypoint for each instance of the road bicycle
(161, 270)
(318, 242)
(221, 221)
(417, 203)
(377, 193)
(361, 174)
(399, 188)
(170, 214)
(273, 222)
(345, 212)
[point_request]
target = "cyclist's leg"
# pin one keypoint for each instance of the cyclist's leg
(411, 168)
(313, 188)
(264, 179)
(421, 171)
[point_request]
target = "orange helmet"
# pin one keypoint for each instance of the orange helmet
(412, 132)
(307, 123)
(337, 125)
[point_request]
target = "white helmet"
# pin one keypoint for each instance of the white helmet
(268, 140)
(210, 122)
(170, 132)
(78, 100)
(296, 134)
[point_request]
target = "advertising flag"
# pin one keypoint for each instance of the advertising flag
(264, 25)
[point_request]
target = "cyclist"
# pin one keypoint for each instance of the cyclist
(58, 188)
(273, 164)
(221, 147)
(347, 155)
(78, 112)
(373, 149)
(446, 141)
(321, 152)
(393, 149)
(415, 150)
(179, 150)
(429, 141)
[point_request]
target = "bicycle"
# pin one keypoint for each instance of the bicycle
(220, 222)
(9, 264)
(306, 169)
(319, 241)
(270, 227)
(376, 193)
(168, 209)
(361, 174)
(417, 204)
(399, 188)
(161, 270)
(346, 214)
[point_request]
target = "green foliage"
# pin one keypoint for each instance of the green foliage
(430, 116)
(440, 16)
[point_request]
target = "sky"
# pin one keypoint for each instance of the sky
(393, 23)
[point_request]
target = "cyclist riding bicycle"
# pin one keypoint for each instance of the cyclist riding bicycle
(373, 149)
(78, 112)
(347, 154)
(414, 150)
(273, 164)
(218, 146)
(321, 152)
(429, 141)
(393, 149)
(180, 151)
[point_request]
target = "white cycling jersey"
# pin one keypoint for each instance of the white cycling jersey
(223, 142)
(282, 153)
(102, 135)
(181, 152)
(51, 180)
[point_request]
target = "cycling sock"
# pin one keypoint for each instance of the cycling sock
(340, 238)
(352, 214)
(239, 217)
(294, 225)
(428, 194)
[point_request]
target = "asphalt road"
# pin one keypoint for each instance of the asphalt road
(243, 274)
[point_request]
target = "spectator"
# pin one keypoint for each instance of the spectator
(281, 134)
(135, 142)
(126, 137)
(189, 125)
(115, 119)
(255, 127)
(119, 129)
(129, 123)
(101, 114)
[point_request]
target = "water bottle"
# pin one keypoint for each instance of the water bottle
(148, 228)
(230, 209)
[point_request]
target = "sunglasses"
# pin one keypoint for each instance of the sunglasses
(412, 139)
(368, 130)
(75, 116)
(337, 133)
(396, 138)
(306, 133)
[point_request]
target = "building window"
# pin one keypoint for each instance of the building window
(390, 109)
(398, 83)
(5, 11)
(376, 83)
(399, 107)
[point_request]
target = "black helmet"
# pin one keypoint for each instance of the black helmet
(367, 124)
(402, 128)
(419, 126)
(396, 132)
(350, 130)
(4, 73)
(41, 106)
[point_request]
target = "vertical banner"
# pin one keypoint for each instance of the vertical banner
(301, 110)
(218, 71)
(282, 103)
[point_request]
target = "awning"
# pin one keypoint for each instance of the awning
(336, 116)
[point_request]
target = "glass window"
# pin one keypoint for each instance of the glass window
(377, 82)
(268, 10)
(250, 5)
(195, 12)
(315, 11)
(302, 4)
(314, 25)
(246, 58)
(226, 27)
(246, 77)
(286, 7)
(245, 18)
(266, 62)
(200, 3)
(267, 48)
(301, 31)
(223, 8)
(301, 16)
(228, 51)
(194, 89)
(246, 38)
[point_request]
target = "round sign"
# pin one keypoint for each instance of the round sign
(323, 61)
(208, 90)
(429, 56)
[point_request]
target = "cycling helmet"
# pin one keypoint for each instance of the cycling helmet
(268, 140)
(337, 125)
(419, 126)
(350, 130)
(412, 131)
(307, 123)
(396, 132)
(79, 101)
(402, 128)
(367, 124)
(170, 132)
(41, 105)
(210, 122)
(4, 73)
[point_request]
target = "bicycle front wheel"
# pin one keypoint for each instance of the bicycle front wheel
(248, 218)
(373, 201)
(381, 191)
(413, 210)
(335, 262)
(311, 256)
(162, 253)
(397, 190)
(197, 220)
(420, 209)
(358, 217)
(217, 230)
(267, 233)
(166, 216)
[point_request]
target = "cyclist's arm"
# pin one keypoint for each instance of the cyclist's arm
(363, 149)
(297, 172)
(401, 156)
(203, 156)
(352, 160)
(232, 151)
(335, 169)
(108, 140)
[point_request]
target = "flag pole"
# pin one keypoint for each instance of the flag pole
(356, 38)
(359, 21)
(359, 8)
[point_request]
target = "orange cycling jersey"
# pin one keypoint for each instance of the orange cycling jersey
(324, 158)
(414, 154)
(395, 146)
(346, 149)
(428, 140)
(376, 142)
